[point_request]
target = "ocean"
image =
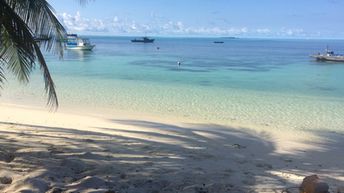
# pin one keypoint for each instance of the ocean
(267, 82)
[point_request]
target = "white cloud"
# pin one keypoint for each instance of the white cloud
(76, 23)
(124, 26)
(263, 31)
(292, 32)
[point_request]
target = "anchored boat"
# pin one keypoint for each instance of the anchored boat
(329, 56)
(76, 43)
(143, 40)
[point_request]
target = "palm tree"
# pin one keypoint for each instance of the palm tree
(20, 22)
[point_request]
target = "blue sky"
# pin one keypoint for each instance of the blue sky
(243, 18)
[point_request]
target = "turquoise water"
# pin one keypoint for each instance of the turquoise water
(243, 81)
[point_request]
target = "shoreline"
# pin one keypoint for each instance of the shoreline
(134, 153)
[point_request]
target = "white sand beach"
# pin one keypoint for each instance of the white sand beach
(44, 151)
(171, 96)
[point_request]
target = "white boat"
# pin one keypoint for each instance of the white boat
(76, 43)
(329, 56)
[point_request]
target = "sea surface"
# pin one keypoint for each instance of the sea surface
(266, 82)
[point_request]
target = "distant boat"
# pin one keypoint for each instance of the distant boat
(218, 42)
(143, 40)
(329, 56)
(76, 43)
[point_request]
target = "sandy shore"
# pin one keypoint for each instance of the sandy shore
(42, 151)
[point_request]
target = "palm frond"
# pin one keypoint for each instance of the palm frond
(18, 59)
(2, 61)
(2, 76)
(40, 18)
(20, 51)
(49, 83)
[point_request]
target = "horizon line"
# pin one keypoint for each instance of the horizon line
(234, 37)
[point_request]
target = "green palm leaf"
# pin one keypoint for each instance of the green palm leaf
(2, 76)
(40, 18)
(18, 49)
(17, 59)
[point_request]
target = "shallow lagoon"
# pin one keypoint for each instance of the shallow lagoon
(243, 81)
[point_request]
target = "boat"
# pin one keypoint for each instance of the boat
(143, 40)
(218, 42)
(76, 43)
(329, 56)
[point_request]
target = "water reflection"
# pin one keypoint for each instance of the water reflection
(78, 55)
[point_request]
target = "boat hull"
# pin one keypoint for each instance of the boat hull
(88, 47)
(329, 58)
(142, 41)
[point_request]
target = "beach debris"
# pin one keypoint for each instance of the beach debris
(5, 180)
(313, 184)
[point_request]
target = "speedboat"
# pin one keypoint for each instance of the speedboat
(328, 56)
(143, 40)
(76, 43)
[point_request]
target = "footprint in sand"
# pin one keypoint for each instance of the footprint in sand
(6, 157)
(5, 180)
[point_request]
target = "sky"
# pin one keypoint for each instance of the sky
(240, 18)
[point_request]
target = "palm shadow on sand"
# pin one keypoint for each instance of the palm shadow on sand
(157, 157)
